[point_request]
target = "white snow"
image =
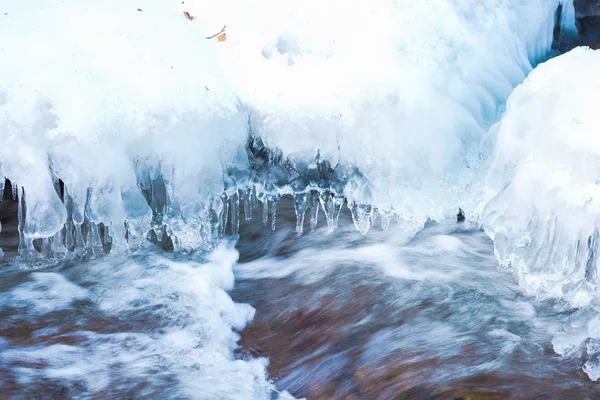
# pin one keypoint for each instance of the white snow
(102, 95)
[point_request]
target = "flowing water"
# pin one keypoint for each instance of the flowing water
(346, 316)
(338, 315)
(137, 143)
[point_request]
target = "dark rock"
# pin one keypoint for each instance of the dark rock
(460, 217)
(586, 8)
(587, 15)
(9, 237)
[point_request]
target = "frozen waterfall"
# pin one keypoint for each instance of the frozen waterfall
(123, 120)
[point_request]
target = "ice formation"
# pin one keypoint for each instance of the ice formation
(545, 219)
(115, 119)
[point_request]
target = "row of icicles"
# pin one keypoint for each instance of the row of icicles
(91, 239)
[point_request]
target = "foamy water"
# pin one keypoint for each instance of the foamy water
(377, 317)
(337, 314)
(126, 326)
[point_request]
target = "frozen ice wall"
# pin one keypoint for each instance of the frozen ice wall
(147, 122)
(403, 92)
(109, 98)
(545, 220)
(398, 95)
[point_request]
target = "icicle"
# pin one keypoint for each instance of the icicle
(224, 214)
(116, 235)
(300, 208)
(2, 181)
(247, 194)
(235, 213)
(158, 201)
(273, 214)
(331, 206)
(265, 217)
(79, 245)
(15, 187)
(46, 250)
(106, 239)
(314, 210)
(96, 240)
(29, 249)
(213, 225)
(20, 219)
(90, 236)
(69, 239)
(88, 243)
(385, 221)
(57, 243)
(374, 217)
(361, 215)
(215, 215)
(26, 248)
(254, 199)
(591, 262)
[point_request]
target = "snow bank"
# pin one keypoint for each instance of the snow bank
(545, 219)
(106, 97)
(124, 103)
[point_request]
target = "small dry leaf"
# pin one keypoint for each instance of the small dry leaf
(221, 36)
(188, 16)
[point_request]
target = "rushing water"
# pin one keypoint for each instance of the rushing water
(125, 326)
(345, 316)
(323, 315)
(338, 315)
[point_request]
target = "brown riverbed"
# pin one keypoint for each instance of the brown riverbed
(335, 327)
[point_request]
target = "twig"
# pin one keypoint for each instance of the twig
(218, 33)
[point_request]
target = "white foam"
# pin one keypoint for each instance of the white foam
(186, 348)
(47, 292)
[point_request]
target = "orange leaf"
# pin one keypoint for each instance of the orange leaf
(222, 37)
(188, 16)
